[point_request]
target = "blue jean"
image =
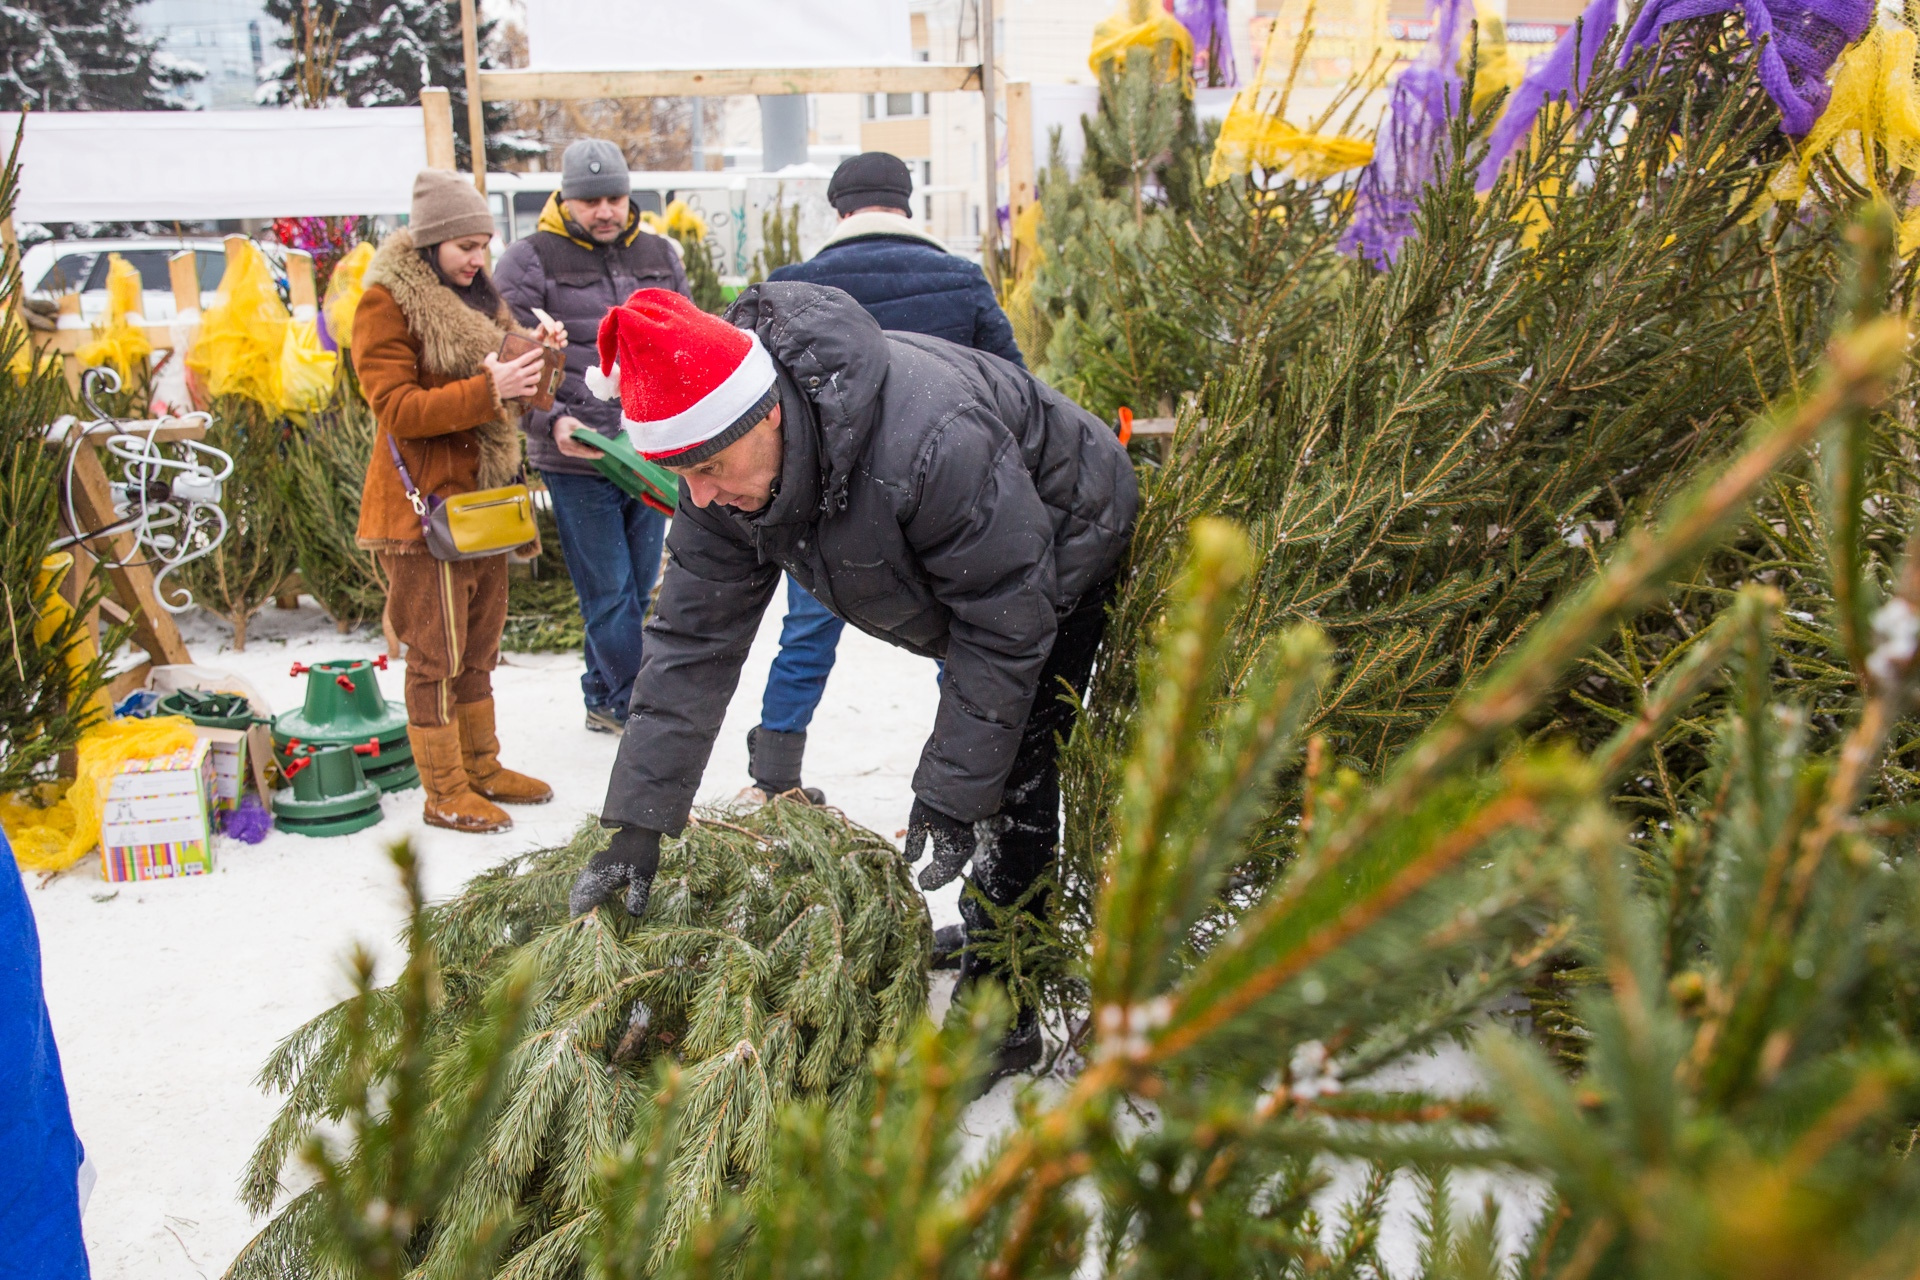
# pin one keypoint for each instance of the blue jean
(798, 677)
(612, 546)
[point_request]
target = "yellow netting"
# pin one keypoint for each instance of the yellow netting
(243, 334)
(344, 287)
(34, 831)
(1256, 130)
(1031, 329)
(306, 368)
(678, 220)
(119, 342)
(1498, 70)
(1874, 115)
(1143, 24)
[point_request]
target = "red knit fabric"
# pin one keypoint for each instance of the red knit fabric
(670, 354)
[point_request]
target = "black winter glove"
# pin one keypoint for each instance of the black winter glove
(629, 862)
(950, 839)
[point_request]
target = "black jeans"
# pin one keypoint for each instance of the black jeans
(1028, 824)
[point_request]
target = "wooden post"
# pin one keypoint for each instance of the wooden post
(476, 112)
(300, 290)
(990, 230)
(437, 105)
(1022, 189)
(237, 247)
(183, 274)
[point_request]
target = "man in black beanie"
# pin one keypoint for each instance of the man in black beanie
(906, 280)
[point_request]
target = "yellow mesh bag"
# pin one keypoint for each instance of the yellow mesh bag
(306, 369)
(1143, 24)
(39, 826)
(1256, 129)
(679, 219)
(1874, 115)
(32, 830)
(344, 287)
(1498, 70)
(119, 342)
(243, 334)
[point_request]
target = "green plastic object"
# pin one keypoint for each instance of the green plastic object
(210, 710)
(330, 795)
(621, 463)
(344, 708)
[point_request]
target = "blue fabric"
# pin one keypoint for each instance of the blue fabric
(808, 638)
(612, 546)
(904, 283)
(39, 1152)
(907, 284)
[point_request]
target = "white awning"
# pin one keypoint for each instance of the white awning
(127, 166)
(654, 35)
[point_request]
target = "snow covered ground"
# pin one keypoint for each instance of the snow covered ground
(168, 996)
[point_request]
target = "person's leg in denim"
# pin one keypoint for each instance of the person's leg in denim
(612, 545)
(808, 637)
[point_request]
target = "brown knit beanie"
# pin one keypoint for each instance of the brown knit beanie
(446, 207)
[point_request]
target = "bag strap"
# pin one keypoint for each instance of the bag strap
(413, 492)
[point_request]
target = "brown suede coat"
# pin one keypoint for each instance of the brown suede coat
(418, 350)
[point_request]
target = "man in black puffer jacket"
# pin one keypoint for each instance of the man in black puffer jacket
(937, 498)
(907, 281)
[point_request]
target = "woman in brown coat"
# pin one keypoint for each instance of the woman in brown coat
(425, 339)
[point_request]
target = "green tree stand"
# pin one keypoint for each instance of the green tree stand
(344, 708)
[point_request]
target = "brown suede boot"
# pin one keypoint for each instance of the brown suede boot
(451, 801)
(481, 751)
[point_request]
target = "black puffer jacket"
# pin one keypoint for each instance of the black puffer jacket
(933, 496)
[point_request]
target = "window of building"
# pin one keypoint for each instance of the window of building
(895, 106)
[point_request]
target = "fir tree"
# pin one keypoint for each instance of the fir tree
(326, 468)
(259, 549)
(381, 53)
(70, 55)
(43, 698)
(1435, 465)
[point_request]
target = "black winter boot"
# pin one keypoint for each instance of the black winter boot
(773, 762)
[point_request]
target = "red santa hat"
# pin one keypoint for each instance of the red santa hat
(689, 384)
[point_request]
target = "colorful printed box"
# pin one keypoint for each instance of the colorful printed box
(155, 822)
(239, 763)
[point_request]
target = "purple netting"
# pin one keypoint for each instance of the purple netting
(1797, 39)
(1551, 77)
(1413, 142)
(1206, 21)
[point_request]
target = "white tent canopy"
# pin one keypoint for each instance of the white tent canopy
(125, 166)
(655, 35)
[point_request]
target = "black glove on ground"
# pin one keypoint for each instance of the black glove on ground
(950, 840)
(629, 862)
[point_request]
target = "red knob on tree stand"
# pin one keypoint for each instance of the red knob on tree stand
(299, 669)
(371, 747)
(380, 663)
(345, 682)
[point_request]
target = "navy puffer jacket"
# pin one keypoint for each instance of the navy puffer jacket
(907, 282)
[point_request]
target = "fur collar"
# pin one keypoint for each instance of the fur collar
(880, 224)
(454, 339)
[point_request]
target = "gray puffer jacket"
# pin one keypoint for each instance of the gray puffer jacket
(935, 497)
